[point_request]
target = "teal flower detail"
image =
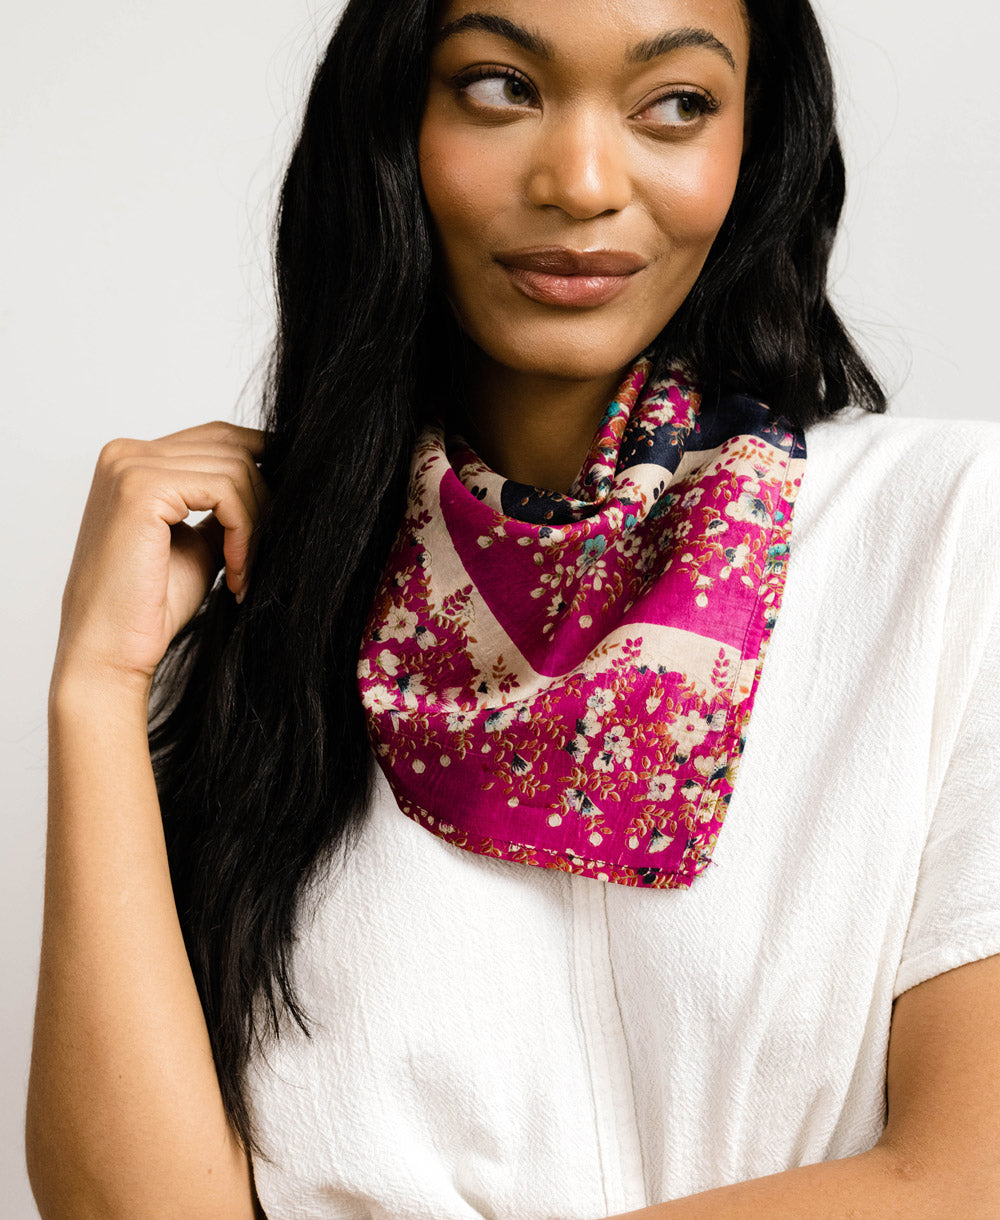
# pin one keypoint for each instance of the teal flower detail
(662, 505)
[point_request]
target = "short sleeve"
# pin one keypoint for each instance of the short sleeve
(956, 911)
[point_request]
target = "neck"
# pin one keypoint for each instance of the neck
(534, 429)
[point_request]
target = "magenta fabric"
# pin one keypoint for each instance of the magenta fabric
(566, 681)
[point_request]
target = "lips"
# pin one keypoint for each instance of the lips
(558, 260)
(556, 275)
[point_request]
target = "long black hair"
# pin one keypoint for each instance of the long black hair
(257, 735)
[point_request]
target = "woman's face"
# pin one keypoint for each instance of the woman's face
(578, 158)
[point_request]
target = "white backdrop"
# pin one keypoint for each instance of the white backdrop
(140, 146)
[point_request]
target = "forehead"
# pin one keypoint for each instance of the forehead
(610, 27)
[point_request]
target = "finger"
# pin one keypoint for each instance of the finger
(220, 459)
(176, 494)
(197, 544)
(229, 462)
(119, 454)
(237, 533)
(220, 432)
(261, 491)
(236, 472)
(211, 530)
(214, 533)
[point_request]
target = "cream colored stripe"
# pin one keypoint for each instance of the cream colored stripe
(647, 475)
(678, 649)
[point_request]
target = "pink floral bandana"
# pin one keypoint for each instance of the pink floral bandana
(566, 680)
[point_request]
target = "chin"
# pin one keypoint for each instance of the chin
(575, 350)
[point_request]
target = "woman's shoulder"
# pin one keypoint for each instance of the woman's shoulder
(916, 460)
(902, 509)
(941, 441)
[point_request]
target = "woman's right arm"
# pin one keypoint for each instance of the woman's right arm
(125, 1116)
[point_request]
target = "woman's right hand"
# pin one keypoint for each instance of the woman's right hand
(125, 1116)
(139, 572)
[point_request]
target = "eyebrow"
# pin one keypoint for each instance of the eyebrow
(527, 40)
(675, 40)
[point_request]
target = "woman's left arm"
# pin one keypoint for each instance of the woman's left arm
(939, 1155)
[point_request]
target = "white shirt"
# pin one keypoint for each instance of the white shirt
(498, 1040)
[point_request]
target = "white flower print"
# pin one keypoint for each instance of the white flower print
(741, 555)
(661, 788)
(689, 733)
(400, 624)
(500, 720)
(574, 800)
(616, 742)
(577, 748)
(595, 569)
(658, 841)
(605, 762)
(387, 662)
(461, 721)
(602, 701)
(411, 687)
(615, 517)
(738, 558)
(425, 637)
(380, 698)
(750, 508)
(551, 536)
(693, 497)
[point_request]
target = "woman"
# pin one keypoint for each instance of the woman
(521, 538)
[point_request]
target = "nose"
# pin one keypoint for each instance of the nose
(580, 166)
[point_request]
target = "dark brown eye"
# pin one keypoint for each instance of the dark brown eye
(499, 89)
(679, 109)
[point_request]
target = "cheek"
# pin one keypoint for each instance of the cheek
(461, 186)
(693, 198)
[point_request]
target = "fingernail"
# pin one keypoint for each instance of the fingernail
(240, 596)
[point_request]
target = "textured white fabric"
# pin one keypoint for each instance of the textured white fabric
(491, 1039)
